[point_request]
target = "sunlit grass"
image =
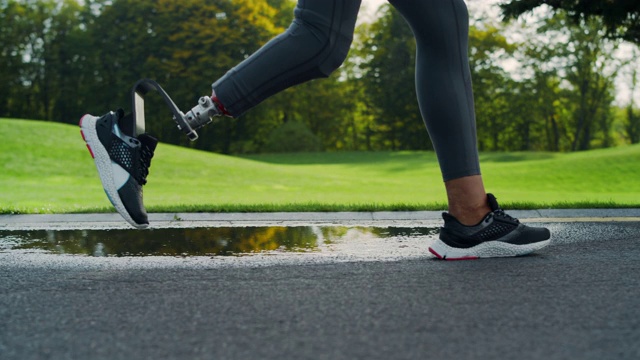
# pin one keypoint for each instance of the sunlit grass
(47, 169)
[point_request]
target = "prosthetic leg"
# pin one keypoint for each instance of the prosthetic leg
(197, 117)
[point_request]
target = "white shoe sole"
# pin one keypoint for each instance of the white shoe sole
(103, 163)
(489, 249)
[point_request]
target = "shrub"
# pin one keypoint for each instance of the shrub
(292, 136)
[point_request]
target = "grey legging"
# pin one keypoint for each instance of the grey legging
(317, 42)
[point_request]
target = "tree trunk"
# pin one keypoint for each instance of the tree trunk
(556, 134)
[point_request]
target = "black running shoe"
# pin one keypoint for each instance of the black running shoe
(122, 161)
(497, 235)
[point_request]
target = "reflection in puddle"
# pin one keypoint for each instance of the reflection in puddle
(221, 241)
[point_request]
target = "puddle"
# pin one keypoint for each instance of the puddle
(218, 241)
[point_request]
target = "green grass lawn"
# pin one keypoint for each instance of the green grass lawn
(47, 169)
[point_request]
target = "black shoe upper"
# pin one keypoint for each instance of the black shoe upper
(132, 154)
(132, 191)
(495, 226)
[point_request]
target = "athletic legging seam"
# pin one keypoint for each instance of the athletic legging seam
(258, 93)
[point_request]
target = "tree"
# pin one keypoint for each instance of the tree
(60, 59)
(325, 106)
(494, 92)
(572, 70)
(396, 124)
(589, 58)
(632, 120)
(632, 125)
(66, 69)
(388, 77)
(39, 57)
(13, 34)
(184, 45)
(621, 18)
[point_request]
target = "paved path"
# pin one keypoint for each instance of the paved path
(577, 299)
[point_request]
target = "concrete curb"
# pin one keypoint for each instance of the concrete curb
(383, 218)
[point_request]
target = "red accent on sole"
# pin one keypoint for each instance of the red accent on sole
(435, 253)
(90, 152)
(84, 138)
(452, 259)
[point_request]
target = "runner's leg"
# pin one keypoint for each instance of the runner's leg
(443, 84)
(316, 44)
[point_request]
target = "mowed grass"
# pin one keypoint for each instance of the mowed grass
(47, 169)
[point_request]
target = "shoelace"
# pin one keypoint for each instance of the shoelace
(146, 154)
(504, 215)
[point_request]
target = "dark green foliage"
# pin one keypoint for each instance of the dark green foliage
(62, 59)
(292, 136)
(621, 17)
(388, 79)
(632, 125)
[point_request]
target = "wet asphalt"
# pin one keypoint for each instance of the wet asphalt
(577, 299)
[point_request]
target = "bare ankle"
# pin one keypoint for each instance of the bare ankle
(467, 199)
(469, 215)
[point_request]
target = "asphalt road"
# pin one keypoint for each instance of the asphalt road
(577, 299)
